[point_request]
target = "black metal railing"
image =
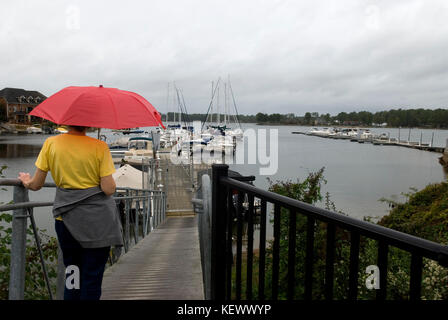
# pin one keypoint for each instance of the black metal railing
(227, 220)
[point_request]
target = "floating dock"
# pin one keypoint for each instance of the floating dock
(389, 142)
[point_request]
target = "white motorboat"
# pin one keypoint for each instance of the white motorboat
(139, 151)
(325, 132)
(312, 131)
(224, 144)
(347, 133)
(194, 145)
(34, 129)
(366, 135)
(237, 133)
(61, 130)
(121, 143)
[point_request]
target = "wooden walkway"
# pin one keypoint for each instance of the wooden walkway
(179, 185)
(178, 189)
(165, 265)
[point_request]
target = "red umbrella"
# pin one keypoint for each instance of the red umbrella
(98, 107)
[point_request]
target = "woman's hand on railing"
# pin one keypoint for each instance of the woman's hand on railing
(36, 182)
(25, 177)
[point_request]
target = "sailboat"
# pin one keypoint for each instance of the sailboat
(178, 136)
(218, 127)
(178, 129)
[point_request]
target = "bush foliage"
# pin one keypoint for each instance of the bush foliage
(423, 215)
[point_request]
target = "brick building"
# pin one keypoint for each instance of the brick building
(15, 104)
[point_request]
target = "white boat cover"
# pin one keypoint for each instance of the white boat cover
(128, 177)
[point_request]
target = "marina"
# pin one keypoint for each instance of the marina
(346, 173)
(168, 203)
(163, 255)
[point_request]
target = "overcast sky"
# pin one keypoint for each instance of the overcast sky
(281, 56)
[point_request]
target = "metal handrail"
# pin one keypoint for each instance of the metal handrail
(17, 183)
(24, 205)
(148, 204)
(429, 249)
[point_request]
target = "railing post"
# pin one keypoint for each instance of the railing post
(137, 217)
(164, 206)
(205, 233)
(127, 226)
(60, 282)
(18, 246)
(218, 245)
(148, 212)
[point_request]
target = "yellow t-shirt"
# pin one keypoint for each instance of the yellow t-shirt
(75, 162)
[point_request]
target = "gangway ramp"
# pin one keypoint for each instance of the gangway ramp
(165, 265)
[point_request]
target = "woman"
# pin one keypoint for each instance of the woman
(86, 220)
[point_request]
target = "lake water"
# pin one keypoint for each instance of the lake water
(357, 175)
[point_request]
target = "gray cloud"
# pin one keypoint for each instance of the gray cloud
(282, 56)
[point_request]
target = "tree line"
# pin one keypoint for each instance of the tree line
(437, 118)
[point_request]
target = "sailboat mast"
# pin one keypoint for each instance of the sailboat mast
(225, 104)
(180, 108)
(167, 102)
(218, 115)
(211, 111)
(234, 105)
(173, 102)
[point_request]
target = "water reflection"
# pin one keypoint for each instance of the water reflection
(19, 150)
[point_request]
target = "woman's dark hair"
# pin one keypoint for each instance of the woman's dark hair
(79, 128)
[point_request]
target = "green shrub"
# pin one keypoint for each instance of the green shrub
(425, 215)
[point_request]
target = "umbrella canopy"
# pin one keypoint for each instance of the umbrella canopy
(98, 107)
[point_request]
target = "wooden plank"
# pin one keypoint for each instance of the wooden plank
(164, 265)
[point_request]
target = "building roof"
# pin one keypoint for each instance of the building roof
(17, 95)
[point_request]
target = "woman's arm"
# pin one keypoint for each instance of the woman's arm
(36, 182)
(108, 185)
